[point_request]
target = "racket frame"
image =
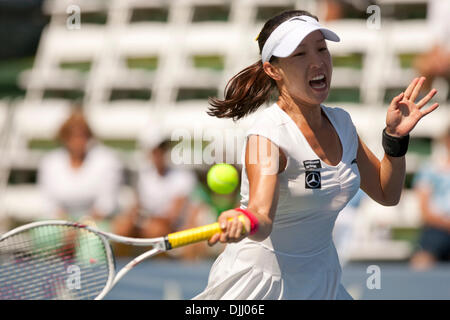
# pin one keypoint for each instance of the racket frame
(159, 245)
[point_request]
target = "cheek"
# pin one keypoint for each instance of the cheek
(296, 76)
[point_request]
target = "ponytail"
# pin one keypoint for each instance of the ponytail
(244, 93)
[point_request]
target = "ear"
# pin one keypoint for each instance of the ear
(272, 71)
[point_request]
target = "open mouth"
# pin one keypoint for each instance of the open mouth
(319, 82)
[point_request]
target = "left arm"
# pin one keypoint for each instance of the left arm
(383, 180)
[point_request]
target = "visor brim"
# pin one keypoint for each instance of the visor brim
(292, 40)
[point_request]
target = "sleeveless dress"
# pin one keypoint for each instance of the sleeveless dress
(298, 260)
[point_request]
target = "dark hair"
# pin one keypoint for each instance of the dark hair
(75, 120)
(251, 87)
(163, 145)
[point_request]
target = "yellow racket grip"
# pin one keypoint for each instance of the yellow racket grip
(185, 237)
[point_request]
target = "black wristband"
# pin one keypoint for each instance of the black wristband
(395, 146)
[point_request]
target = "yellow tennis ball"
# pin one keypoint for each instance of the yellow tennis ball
(222, 178)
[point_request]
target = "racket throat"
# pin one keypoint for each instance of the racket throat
(167, 245)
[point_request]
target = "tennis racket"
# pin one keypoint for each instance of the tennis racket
(63, 260)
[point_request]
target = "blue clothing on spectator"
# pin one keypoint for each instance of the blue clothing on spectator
(437, 179)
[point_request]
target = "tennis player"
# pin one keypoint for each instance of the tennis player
(320, 164)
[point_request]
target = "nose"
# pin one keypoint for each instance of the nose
(317, 62)
(317, 67)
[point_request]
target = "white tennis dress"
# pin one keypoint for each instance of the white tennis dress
(298, 260)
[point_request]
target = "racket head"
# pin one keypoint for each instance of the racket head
(55, 260)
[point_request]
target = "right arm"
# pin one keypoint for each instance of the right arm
(263, 161)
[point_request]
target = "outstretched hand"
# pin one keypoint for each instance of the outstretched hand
(403, 113)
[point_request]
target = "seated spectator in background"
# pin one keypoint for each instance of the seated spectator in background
(436, 62)
(432, 185)
(83, 177)
(163, 194)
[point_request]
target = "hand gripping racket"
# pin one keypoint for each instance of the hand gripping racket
(71, 261)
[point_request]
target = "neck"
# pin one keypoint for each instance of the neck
(76, 161)
(300, 112)
(161, 170)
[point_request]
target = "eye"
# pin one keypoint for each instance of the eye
(323, 49)
(299, 54)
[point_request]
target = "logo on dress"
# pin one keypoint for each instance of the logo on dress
(312, 164)
(312, 180)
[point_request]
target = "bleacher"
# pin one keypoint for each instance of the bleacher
(139, 61)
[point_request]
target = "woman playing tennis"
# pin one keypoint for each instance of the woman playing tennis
(302, 163)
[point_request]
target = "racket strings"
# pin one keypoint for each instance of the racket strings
(53, 262)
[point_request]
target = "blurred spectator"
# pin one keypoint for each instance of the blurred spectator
(83, 177)
(432, 185)
(163, 203)
(436, 62)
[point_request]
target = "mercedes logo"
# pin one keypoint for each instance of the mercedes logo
(312, 179)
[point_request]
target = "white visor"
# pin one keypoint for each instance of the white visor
(288, 35)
